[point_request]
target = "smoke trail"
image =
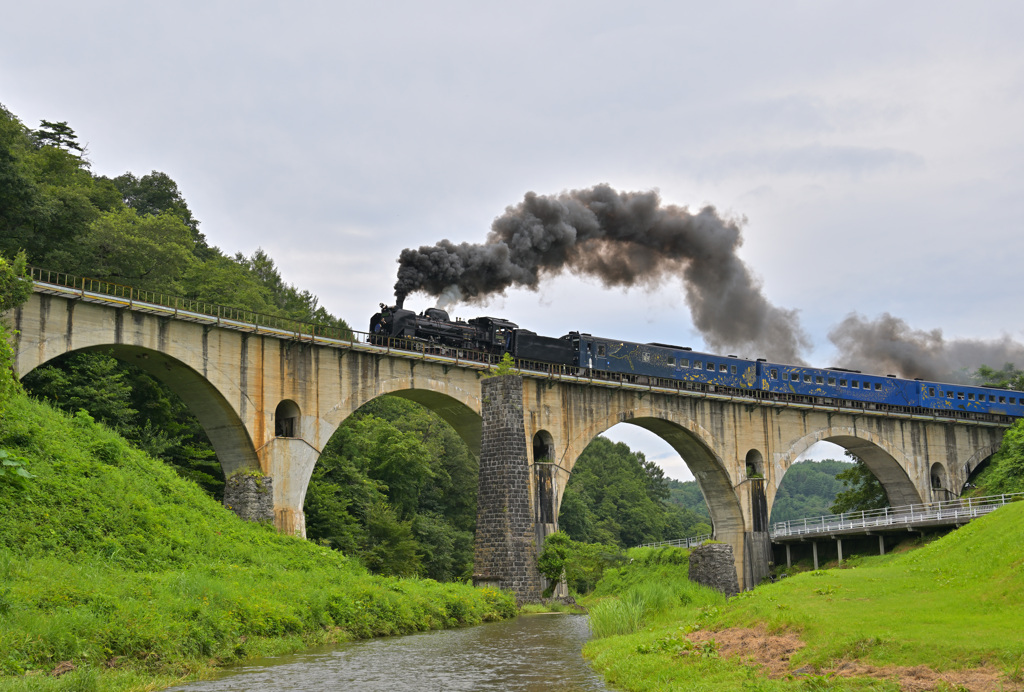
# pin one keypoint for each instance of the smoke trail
(624, 239)
(889, 345)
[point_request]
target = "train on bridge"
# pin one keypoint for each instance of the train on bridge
(680, 367)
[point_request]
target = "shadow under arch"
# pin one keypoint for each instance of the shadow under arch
(219, 420)
(707, 468)
(975, 464)
(888, 463)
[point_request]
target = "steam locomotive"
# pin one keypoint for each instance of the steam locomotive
(680, 367)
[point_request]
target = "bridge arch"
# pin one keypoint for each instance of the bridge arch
(696, 447)
(453, 405)
(961, 476)
(889, 463)
(218, 418)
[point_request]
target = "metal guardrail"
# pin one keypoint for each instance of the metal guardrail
(184, 307)
(691, 542)
(965, 508)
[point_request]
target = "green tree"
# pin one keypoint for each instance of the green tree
(862, 490)
(1007, 377)
(145, 251)
(582, 564)
(808, 489)
(1005, 472)
(615, 496)
(59, 135)
(14, 290)
(156, 193)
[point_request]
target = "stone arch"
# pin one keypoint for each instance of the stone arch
(455, 399)
(974, 463)
(218, 418)
(696, 446)
(287, 417)
(889, 464)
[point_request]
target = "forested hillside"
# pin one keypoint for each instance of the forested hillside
(615, 496)
(395, 487)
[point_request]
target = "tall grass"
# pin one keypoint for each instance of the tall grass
(654, 592)
(111, 561)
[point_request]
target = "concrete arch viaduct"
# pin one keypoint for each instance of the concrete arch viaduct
(271, 399)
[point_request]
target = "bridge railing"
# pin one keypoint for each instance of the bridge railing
(691, 542)
(949, 510)
(185, 306)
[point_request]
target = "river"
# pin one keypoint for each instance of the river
(529, 653)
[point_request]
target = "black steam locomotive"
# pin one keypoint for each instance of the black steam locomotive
(433, 328)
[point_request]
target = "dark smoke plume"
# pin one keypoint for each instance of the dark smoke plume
(624, 239)
(888, 345)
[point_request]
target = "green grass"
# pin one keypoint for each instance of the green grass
(954, 604)
(111, 561)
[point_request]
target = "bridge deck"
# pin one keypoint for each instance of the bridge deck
(292, 330)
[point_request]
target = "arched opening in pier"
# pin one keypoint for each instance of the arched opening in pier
(396, 486)
(286, 419)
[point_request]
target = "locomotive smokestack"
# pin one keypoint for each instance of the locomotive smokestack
(624, 239)
(400, 301)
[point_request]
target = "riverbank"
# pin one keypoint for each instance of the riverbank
(943, 617)
(116, 574)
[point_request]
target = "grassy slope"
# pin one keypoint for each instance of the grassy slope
(956, 603)
(108, 559)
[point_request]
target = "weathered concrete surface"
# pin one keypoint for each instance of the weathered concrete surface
(234, 381)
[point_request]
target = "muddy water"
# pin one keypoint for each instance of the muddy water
(532, 652)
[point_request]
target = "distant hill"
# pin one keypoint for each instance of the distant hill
(808, 490)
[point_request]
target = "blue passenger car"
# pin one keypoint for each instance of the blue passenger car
(665, 361)
(956, 397)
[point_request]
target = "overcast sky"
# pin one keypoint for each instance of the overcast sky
(875, 149)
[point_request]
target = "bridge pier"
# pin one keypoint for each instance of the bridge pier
(505, 551)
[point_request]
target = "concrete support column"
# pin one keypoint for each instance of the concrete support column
(789, 556)
(290, 462)
(814, 547)
(506, 541)
(881, 545)
(839, 544)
